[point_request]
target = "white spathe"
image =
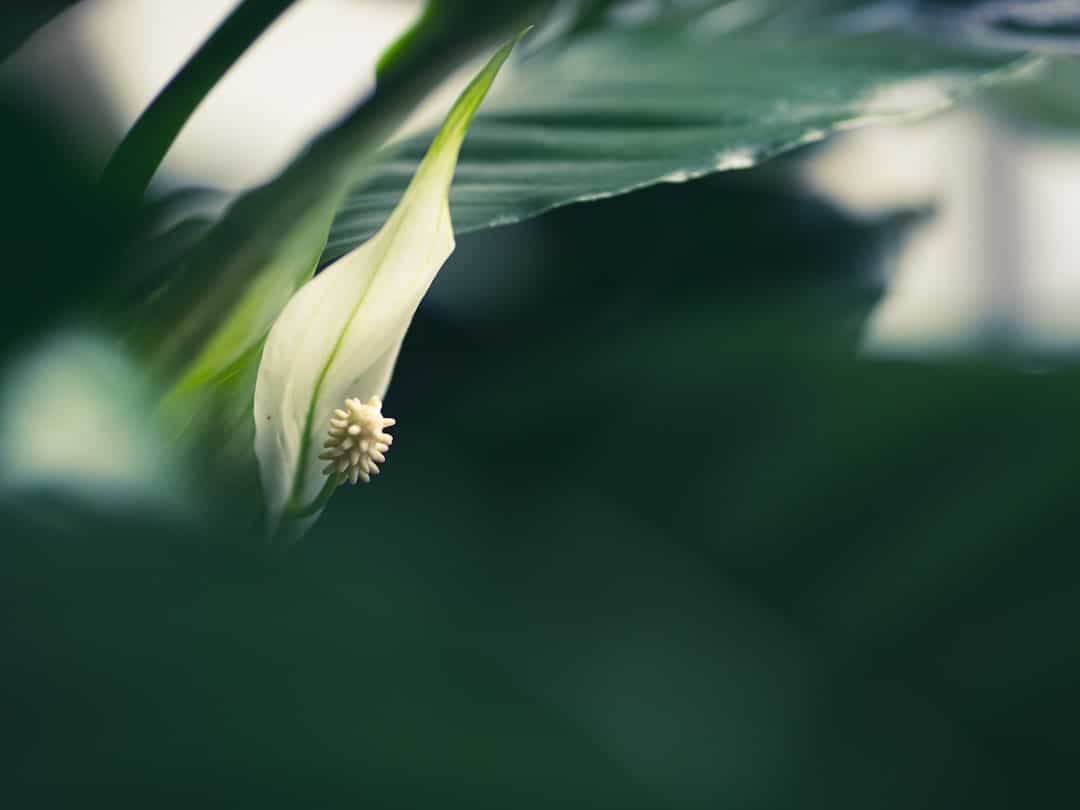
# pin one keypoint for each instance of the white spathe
(339, 336)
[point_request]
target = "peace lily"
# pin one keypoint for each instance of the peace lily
(329, 356)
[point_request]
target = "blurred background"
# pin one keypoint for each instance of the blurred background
(753, 491)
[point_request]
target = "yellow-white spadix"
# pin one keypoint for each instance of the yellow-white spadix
(333, 348)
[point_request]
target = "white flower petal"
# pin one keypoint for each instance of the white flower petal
(340, 335)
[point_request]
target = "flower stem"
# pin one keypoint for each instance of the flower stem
(317, 505)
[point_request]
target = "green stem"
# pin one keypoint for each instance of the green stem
(138, 156)
(317, 505)
(282, 537)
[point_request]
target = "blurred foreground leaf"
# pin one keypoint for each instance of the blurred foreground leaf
(139, 154)
(61, 237)
(78, 435)
(19, 19)
(1051, 101)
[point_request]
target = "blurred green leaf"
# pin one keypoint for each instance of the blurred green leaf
(619, 110)
(62, 236)
(19, 19)
(78, 432)
(1050, 101)
(139, 154)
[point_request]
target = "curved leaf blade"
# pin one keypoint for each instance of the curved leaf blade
(620, 110)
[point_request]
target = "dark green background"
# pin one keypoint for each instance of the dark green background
(653, 534)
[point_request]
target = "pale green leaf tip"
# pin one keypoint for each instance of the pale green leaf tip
(464, 109)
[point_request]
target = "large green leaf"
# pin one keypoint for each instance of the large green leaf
(622, 109)
(1051, 101)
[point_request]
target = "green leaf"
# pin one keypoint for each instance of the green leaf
(619, 110)
(144, 146)
(19, 20)
(77, 430)
(1051, 101)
